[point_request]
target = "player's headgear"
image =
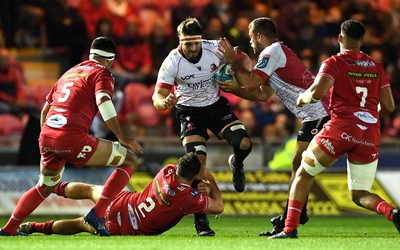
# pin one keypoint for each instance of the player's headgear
(188, 166)
(353, 29)
(103, 47)
(190, 30)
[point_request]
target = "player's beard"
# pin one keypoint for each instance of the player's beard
(194, 56)
(256, 48)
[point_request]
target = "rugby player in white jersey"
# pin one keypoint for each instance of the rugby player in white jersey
(186, 82)
(278, 71)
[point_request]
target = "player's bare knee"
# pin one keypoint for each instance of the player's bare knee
(296, 162)
(131, 160)
(357, 195)
(237, 136)
(245, 143)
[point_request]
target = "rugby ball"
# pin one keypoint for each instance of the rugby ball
(222, 73)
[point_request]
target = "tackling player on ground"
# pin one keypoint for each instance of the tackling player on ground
(358, 86)
(160, 206)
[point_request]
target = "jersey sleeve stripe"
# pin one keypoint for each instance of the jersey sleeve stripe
(163, 85)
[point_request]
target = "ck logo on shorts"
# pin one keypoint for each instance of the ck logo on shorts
(84, 150)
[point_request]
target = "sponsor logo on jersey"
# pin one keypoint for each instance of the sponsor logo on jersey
(362, 75)
(200, 85)
(194, 193)
(328, 145)
(360, 63)
(365, 117)
(262, 63)
(168, 190)
(74, 75)
(56, 121)
(160, 194)
(185, 78)
(132, 217)
(362, 127)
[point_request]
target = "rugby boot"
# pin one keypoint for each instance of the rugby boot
(96, 222)
(278, 224)
(283, 235)
(303, 217)
(238, 176)
(3, 233)
(202, 226)
(396, 218)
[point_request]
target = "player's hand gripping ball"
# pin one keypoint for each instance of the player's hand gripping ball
(222, 73)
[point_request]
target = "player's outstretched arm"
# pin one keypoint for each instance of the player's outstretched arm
(107, 111)
(241, 65)
(316, 91)
(215, 203)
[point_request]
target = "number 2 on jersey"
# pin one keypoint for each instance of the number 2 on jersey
(65, 89)
(147, 207)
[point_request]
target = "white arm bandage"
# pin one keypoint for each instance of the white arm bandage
(107, 110)
(307, 97)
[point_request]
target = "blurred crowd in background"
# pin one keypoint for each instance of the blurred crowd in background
(145, 32)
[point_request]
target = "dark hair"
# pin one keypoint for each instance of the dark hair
(265, 26)
(190, 27)
(353, 29)
(188, 166)
(103, 43)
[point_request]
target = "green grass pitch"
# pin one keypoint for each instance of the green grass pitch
(232, 233)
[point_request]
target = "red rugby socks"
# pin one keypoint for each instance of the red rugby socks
(293, 216)
(115, 183)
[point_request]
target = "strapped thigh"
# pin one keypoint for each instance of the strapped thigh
(118, 154)
(361, 176)
(310, 163)
(51, 180)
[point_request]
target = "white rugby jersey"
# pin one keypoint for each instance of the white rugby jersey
(194, 81)
(288, 77)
